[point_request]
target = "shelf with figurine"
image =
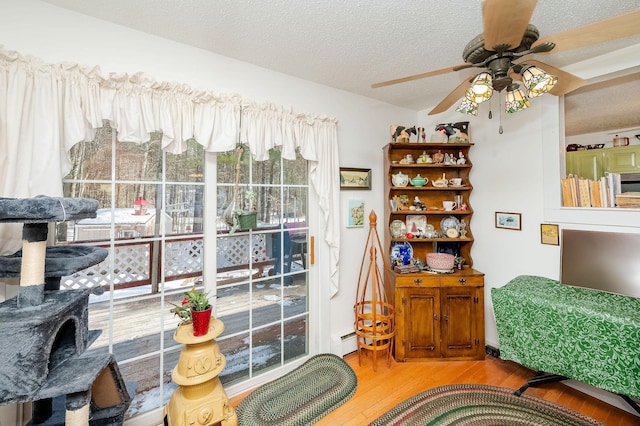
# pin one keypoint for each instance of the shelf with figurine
(428, 237)
(429, 180)
(447, 133)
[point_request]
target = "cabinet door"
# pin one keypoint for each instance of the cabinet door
(419, 334)
(587, 164)
(460, 307)
(623, 159)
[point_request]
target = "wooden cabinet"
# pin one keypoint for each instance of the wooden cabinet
(439, 316)
(593, 163)
(622, 159)
(587, 164)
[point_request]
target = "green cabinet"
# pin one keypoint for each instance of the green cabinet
(593, 163)
(588, 164)
(623, 159)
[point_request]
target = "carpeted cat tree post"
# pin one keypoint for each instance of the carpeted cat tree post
(44, 357)
(200, 399)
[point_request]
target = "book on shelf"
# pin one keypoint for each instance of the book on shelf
(581, 192)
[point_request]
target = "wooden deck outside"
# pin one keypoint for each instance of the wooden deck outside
(137, 329)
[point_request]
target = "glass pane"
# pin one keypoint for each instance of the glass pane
(295, 204)
(145, 373)
(232, 308)
(266, 302)
(269, 171)
(228, 170)
(138, 161)
(92, 160)
(187, 166)
(295, 296)
(236, 352)
(266, 349)
(295, 171)
(295, 337)
(136, 326)
(79, 231)
(268, 204)
(184, 205)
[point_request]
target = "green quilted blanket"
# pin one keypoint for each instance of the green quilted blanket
(587, 335)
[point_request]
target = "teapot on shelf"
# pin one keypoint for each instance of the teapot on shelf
(441, 182)
(418, 180)
(399, 179)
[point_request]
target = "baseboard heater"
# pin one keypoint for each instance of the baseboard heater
(344, 343)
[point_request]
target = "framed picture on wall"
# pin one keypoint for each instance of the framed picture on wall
(355, 214)
(508, 221)
(549, 234)
(351, 178)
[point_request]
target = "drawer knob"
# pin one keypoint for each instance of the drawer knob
(417, 281)
(462, 281)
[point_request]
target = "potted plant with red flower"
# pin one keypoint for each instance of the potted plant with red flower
(196, 310)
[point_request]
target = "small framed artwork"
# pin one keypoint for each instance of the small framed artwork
(549, 234)
(355, 214)
(351, 178)
(508, 221)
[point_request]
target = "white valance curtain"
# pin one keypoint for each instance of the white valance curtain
(47, 108)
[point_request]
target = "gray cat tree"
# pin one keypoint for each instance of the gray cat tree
(47, 360)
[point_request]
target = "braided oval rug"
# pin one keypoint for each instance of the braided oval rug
(302, 396)
(479, 405)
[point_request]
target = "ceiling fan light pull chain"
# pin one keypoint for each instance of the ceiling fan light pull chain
(490, 109)
(500, 112)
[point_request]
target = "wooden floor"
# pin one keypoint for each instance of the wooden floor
(380, 391)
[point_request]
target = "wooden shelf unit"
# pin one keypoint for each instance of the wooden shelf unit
(438, 316)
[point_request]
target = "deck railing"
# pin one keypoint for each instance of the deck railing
(137, 263)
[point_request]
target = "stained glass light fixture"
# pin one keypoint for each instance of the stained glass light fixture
(467, 106)
(515, 99)
(536, 81)
(481, 88)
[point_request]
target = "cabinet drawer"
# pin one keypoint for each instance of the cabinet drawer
(417, 281)
(462, 281)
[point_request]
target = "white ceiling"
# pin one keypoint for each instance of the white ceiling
(348, 44)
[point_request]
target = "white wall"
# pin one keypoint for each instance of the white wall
(506, 177)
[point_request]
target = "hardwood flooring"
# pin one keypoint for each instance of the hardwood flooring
(380, 391)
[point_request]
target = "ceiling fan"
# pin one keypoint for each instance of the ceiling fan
(500, 50)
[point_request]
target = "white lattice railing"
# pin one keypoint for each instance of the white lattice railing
(234, 250)
(183, 258)
(133, 264)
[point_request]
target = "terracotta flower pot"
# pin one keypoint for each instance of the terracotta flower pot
(200, 320)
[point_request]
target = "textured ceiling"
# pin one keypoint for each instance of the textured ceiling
(348, 44)
(612, 104)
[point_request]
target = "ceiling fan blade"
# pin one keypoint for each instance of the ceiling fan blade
(504, 22)
(417, 76)
(567, 82)
(621, 26)
(451, 98)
